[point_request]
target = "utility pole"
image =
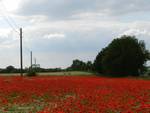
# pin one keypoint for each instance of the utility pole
(21, 62)
(35, 61)
(31, 59)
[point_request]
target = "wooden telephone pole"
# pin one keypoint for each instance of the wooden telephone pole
(31, 59)
(21, 62)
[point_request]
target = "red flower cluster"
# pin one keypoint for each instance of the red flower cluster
(75, 95)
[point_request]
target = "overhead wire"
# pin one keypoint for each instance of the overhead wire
(12, 20)
(8, 18)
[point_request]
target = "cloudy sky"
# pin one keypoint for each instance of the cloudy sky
(58, 31)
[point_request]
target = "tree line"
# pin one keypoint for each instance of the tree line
(122, 57)
(12, 69)
(79, 65)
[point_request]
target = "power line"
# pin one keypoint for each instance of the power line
(6, 18)
(13, 28)
(12, 20)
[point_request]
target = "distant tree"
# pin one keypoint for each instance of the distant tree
(123, 56)
(89, 66)
(10, 69)
(79, 65)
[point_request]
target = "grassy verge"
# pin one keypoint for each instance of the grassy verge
(67, 73)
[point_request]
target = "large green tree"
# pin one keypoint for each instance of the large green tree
(123, 56)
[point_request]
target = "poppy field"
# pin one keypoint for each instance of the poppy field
(74, 94)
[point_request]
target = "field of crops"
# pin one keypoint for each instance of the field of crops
(75, 94)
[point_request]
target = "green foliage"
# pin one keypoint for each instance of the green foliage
(9, 69)
(79, 65)
(123, 56)
(98, 61)
(148, 71)
(31, 73)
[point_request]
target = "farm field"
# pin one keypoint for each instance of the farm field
(66, 73)
(74, 94)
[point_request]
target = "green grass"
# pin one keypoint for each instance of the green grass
(68, 73)
(9, 74)
(144, 77)
(72, 73)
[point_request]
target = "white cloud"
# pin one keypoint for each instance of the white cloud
(10, 5)
(136, 32)
(8, 39)
(54, 36)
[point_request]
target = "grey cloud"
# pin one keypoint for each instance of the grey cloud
(74, 40)
(62, 9)
(54, 8)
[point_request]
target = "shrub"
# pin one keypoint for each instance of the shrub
(31, 73)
